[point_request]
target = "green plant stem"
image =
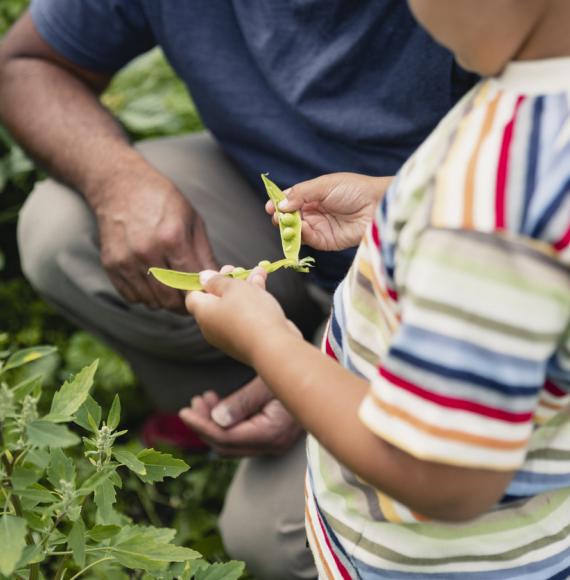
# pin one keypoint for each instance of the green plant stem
(61, 568)
(34, 568)
(148, 505)
(90, 566)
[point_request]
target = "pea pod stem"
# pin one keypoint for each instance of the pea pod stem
(190, 281)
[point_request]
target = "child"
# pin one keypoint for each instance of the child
(439, 413)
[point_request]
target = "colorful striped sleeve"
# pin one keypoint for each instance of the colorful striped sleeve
(483, 315)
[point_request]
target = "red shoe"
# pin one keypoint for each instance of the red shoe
(168, 429)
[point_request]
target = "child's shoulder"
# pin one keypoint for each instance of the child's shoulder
(500, 162)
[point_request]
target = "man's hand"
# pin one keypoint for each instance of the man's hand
(147, 222)
(250, 422)
(336, 208)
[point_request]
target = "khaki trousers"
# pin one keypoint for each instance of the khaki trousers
(262, 521)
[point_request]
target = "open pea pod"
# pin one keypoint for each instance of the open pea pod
(289, 222)
(191, 280)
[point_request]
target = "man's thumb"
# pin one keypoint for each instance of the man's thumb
(242, 404)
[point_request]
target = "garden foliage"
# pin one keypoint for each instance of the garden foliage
(48, 443)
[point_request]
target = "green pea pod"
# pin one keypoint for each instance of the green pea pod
(289, 222)
(191, 280)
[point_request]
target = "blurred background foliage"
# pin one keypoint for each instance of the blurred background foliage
(150, 101)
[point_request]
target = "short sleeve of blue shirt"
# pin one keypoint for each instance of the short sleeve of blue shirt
(101, 35)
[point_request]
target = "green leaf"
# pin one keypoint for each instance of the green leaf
(95, 480)
(76, 542)
(114, 414)
(129, 460)
(160, 465)
(37, 493)
(13, 542)
(72, 395)
(25, 475)
(227, 571)
(26, 387)
(105, 498)
(100, 533)
(60, 468)
(32, 555)
(148, 549)
(27, 355)
(89, 409)
(45, 434)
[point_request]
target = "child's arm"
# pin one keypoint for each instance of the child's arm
(247, 323)
(335, 208)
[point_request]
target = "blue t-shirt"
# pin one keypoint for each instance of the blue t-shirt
(296, 88)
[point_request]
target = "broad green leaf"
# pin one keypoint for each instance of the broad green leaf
(13, 542)
(72, 395)
(60, 468)
(27, 355)
(114, 414)
(38, 457)
(26, 387)
(45, 434)
(76, 542)
(148, 548)
(25, 475)
(89, 409)
(105, 498)
(130, 460)
(100, 533)
(227, 571)
(37, 493)
(95, 480)
(160, 465)
(31, 555)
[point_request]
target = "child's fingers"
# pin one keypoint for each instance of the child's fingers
(214, 283)
(227, 269)
(258, 277)
(196, 300)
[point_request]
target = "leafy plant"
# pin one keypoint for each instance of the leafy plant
(59, 518)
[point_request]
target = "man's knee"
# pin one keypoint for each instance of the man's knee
(263, 520)
(272, 547)
(48, 225)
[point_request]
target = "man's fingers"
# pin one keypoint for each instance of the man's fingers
(201, 243)
(241, 404)
(211, 398)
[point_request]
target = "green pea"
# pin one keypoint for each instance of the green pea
(288, 219)
(265, 264)
(288, 234)
(238, 272)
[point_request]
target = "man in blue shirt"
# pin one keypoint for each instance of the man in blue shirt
(297, 88)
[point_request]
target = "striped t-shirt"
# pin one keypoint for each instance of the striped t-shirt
(457, 311)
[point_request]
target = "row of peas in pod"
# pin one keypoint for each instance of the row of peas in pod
(289, 230)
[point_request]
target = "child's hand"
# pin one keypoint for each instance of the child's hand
(234, 315)
(335, 208)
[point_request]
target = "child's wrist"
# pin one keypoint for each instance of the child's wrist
(274, 346)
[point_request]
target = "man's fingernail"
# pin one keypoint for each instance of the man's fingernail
(222, 416)
(283, 204)
(205, 275)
